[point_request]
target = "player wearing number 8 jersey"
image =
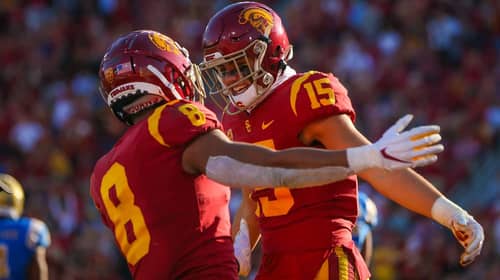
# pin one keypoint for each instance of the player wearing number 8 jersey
(306, 233)
(172, 216)
(156, 190)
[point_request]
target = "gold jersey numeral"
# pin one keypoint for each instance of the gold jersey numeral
(131, 231)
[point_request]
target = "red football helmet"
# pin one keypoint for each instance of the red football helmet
(246, 40)
(144, 69)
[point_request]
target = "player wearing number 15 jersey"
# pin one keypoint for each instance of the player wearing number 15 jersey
(156, 188)
(306, 233)
(323, 217)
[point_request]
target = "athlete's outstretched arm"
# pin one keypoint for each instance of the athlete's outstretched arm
(405, 186)
(241, 165)
(245, 165)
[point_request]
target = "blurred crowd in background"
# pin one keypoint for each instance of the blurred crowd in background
(439, 60)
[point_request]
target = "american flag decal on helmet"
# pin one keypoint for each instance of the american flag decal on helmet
(123, 68)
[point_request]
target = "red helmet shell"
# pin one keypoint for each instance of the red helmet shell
(236, 26)
(124, 68)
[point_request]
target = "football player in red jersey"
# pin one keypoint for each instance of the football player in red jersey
(156, 189)
(306, 233)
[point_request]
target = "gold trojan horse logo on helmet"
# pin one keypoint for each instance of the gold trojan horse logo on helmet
(164, 43)
(259, 18)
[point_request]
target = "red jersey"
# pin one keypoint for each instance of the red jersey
(309, 218)
(168, 224)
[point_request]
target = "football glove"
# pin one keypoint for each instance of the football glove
(466, 230)
(242, 249)
(397, 150)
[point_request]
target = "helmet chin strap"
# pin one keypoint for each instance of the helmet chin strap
(164, 80)
(250, 97)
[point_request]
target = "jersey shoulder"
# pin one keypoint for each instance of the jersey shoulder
(38, 234)
(30, 232)
(313, 95)
(180, 121)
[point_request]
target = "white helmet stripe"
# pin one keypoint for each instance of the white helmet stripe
(164, 80)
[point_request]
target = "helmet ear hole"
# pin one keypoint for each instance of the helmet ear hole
(259, 47)
(267, 79)
(277, 51)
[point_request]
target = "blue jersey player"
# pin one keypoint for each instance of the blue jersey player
(23, 240)
(367, 219)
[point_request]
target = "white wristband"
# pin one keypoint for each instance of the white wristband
(444, 211)
(362, 157)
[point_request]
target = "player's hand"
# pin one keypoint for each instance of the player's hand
(466, 230)
(415, 147)
(242, 249)
(398, 149)
(469, 234)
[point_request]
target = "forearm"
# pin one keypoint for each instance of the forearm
(245, 233)
(405, 187)
(238, 174)
(418, 195)
(247, 212)
(354, 158)
(215, 143)
(288, 158)
(309, 158)
(38, 268)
